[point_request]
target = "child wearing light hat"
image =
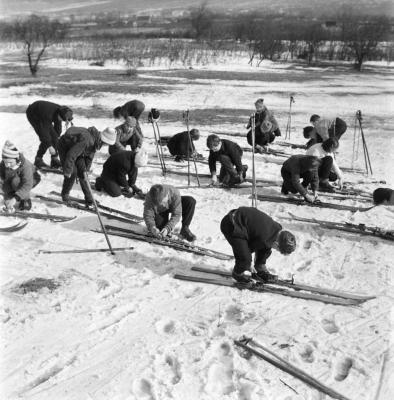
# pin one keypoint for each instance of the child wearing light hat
(18, 176)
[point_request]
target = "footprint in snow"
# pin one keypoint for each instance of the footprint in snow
(342, 369)
(329, 326)
(306, 353)
(142, 389)
(175, 367)
(235, 314)
(165, 326)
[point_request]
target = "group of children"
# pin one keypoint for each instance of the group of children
(246, 229)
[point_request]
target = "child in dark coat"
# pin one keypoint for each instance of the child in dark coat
(248, 231)
(181, 146)
(46, 119)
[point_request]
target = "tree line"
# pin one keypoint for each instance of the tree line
(349, 36)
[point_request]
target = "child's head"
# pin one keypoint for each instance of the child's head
(381, 195)
(213, 142)
(314, 118)
(157, 194)
(10, 155)
(307, 131)
(330, 145)
(195, 134)
(259, 104)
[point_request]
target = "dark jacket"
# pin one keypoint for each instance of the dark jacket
(230, 149)
(118, 166)
(133, 108)
(44, 117)
(297, 165)
(181, 145)
(18, 182)
(78, 143)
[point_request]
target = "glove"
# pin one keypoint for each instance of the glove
(155, 233)
(127, 192)
(10, 204)
(165, 232)
(309, 198)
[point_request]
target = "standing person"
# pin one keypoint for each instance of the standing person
(326, 128)
(229, 154)
(128, 133)
(248, 231)
(297, 167)
(18, 177)
(46, 119)
(266, 127)
(77, 148)
(329, 170)
(133, 108)
(120, 173)
(181, 146)
(160, 202)
(383, 196)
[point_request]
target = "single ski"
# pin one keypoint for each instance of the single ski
(260, 287)
(271, 357)
(13, 228)
(80, 207)
(292, 145)
(106, 250)
(292, 285)
(46, 170)
(361, 229)
(269, 152)
(318, 203)
(27, 214)
(125, 214)
(174, 243)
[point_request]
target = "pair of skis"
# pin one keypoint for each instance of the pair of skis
(360, 229)
(168, 242)
(110, 213)
(318, 203)
(27, 214)
(279, 286)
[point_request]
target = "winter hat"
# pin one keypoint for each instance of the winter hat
(108, 136)
(10, 150)
(287, 242)
(141, 158)
(195, 134)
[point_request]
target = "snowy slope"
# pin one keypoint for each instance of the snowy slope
(120, 327)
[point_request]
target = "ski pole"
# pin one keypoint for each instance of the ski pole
(190, 146)
(288, 126)
(160, 147)
(85, 175)
(366, 152)
(254, 194)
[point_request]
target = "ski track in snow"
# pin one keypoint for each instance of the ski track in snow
(120, 327)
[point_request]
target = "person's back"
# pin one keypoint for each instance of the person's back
(383, 196)
(133, 108)
(119, 163)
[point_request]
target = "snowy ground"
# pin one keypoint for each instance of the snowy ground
(120, 327)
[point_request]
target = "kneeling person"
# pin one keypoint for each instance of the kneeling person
(248, 231)
(181, 146)
(18, 176)
(160, 202)
(297, 167)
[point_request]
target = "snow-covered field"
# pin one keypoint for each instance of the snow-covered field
(120, 327)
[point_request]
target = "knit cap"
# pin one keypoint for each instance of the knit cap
(287, 242)
(10, 150)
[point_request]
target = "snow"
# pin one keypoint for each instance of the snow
(120, 327)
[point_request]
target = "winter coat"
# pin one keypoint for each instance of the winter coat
(256, 227)
(19, 182)
(181, 145)
(78, 144)
(230, 149)
(327, 128)
(297, 165)
(318, 151)
(133, 108)
(118, 166)
(173, 205)
(261, 117)
(44, 117)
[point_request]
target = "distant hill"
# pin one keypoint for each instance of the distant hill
(10, 8)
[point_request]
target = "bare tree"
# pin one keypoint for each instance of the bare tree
(362, 36)
(202, 21)
(37, 33)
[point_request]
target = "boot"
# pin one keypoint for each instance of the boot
(244, 169)
(25, 205)
(243, 277)
(187, 234)
(89, 204)
(39, 163)
(324, 186)
(263, 274)
(98, 185)
(55, 162)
